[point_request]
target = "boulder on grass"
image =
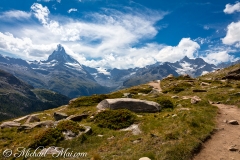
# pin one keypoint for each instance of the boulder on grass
(77, 117)
(134, 105)
(58, 116)
(32, 118)
(9, 124)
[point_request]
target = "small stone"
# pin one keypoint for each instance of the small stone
(58, 116)
(183, 109)
(110, 138)
(175, 97)
(225, 121)
(100, 135)
(144, 158)
(233, 122)
(175, 115)
(233, 148)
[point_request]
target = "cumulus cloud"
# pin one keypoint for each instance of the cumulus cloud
(72, 10)
(105, 40)
(15, 14)
(229, 9)
(218, 57)
(233, 33)
(40, 12)
(186, 47)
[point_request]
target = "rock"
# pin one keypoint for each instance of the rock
(48, 123)
(9, 124)
(225, 121)
(144, 158)
(235, 75)
(133, 128)
(179, 105)
(127, 95)
(184, 109)
(92, 117)
(134, 105)
(233, 148)
(69, 135)
(58, 116)
(175, 97)
(21, 119)
(32, 118)
(195, 99)
(199, 90)
(233, 122)
(137, 141)
(175, 115)
(186, 76)
(170, 76)
(100, 135)
(77, 117)
(110, 138)
(72, 100)
(88, 130)
(204, 84)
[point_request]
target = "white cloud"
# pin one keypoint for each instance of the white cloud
(186, 47)
(40, 12)
(233, 33)
(72, 10)
(229, 9)
(59, 1)
(15, 14)
(218, 57)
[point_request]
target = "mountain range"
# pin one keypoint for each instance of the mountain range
(63, 74)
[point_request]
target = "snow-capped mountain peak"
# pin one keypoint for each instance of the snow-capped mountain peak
(61, 56)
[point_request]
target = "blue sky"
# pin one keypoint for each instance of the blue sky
(121, 33)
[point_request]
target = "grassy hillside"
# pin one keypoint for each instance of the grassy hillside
(175, 133)
(18, 98)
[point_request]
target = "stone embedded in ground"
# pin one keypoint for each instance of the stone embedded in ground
(195, 99)
(144, 158)
(58, 116)
(21, 118)
(233, 148)
(32, 118)
(199, 90)
(205, 84)
(175, 97)
(127, 95)
(9, 124)
(183, 109)
(134, 105)
(77, 117)
(47, 123)
(233, 122)
(134, 128)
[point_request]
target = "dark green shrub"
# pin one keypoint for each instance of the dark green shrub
(94, 99)
(115, 119)
(50, 136)
(68, 125)
(165, 103)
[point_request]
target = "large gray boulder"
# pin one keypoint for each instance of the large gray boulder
(134, 105)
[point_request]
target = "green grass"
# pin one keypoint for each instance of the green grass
(172, 134)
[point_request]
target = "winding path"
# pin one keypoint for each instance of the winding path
(156, 85)
(227, 135)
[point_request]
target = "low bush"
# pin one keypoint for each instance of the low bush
(115, 119)
(68, 125)
(165, 103)
(50, 136)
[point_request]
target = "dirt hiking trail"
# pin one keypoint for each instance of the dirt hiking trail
(227, 136)
(156, 85)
